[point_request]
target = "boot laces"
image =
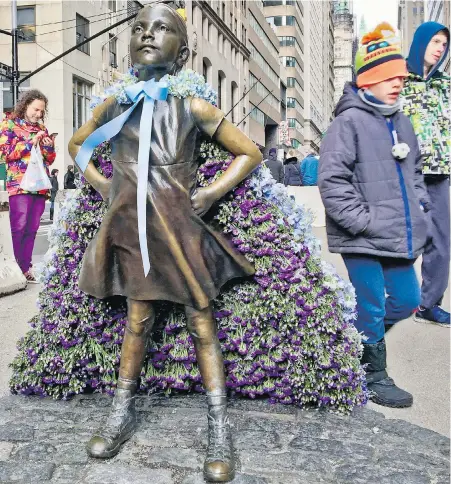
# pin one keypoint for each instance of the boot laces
(219, 443)
(118, 419)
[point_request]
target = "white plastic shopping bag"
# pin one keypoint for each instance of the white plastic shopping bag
(35, 178)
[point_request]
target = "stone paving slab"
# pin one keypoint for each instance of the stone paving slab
(42, 442)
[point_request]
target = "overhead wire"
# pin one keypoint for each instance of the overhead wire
(79, 25)
(67, 63)
(111, 12)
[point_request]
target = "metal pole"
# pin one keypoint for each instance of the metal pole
(249, 113)
(15, 53)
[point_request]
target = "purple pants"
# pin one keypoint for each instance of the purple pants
(25, 212)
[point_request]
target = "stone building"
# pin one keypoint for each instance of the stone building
(235, 49)
(411, 14)
(344, 45)
(286, 17)
(318, 71)
(50, 28)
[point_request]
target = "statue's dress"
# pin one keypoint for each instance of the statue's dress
(189, 262)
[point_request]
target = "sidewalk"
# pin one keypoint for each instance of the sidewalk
(42, 442)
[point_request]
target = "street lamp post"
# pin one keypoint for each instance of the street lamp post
(15, 53)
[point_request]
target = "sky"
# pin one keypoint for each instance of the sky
(376, 11)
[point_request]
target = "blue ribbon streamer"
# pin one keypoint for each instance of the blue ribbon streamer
(150, 91)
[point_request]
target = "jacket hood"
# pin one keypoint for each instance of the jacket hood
(421, 39)
(351, 99)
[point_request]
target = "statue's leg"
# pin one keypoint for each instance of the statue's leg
(220, 464)
(121, 422)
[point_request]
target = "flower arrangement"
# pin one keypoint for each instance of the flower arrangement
(287, 334)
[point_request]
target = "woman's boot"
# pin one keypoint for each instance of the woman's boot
(121, 423)
(219, 464)
(383, 390)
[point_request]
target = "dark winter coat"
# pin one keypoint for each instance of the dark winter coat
(276, 169)
(292, 174)
(54, 189)
(69, 180)
(374, 204)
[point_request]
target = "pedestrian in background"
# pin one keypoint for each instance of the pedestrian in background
(69, 178)
(19, 132)
(309, 170)
(373, 191)
(53, 191)
(292, 172)
(274, 165)
(426, 100)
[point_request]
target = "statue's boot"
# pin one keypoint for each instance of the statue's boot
(219, 464)
(121, 423)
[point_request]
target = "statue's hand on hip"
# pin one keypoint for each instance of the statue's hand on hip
(202, 200)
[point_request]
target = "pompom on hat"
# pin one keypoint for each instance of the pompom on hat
(379, 57)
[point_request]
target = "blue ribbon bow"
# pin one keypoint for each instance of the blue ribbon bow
(150, 91)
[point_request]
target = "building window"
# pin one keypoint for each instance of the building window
(194, 61)
(287, 41)
(82, 33)
(258, 115)
(231, 21)
(267, 69)
(262, 34)
(283, 20)
(294, 123)
(81, 100)
(221, 93)
(295, 143)
(6, 94)
(112, 5)
(206, 70)
(26, 23)
(236, 27)
(223, 11)
(288, 61)
(292, 102)
(113, 51)
(234, 92)
(264, 92)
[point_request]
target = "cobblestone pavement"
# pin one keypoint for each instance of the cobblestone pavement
(42, 442)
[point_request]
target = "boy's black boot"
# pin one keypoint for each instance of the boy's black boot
(383, 390)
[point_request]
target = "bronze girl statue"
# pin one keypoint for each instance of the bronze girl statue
(153, 244)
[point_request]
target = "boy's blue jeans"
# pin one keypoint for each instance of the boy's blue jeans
(387, 291)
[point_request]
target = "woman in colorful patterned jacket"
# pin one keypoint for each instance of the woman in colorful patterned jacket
(19, 132)
(426, 99)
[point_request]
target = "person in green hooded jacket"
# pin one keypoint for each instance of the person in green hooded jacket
(426, 101)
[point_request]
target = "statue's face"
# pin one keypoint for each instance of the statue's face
(156, 40)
